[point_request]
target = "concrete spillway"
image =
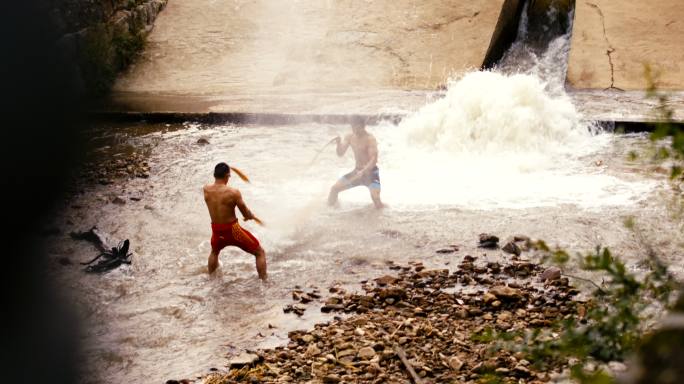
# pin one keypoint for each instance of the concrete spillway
(307, 56)
(330, 57)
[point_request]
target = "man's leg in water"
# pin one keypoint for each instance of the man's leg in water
(213, 261)
(340, 186)
(260, 255)
(375, 196)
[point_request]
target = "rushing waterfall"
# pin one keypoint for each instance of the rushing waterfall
(510, 137)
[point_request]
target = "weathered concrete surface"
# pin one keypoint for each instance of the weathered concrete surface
(257, 51)
(613, 39)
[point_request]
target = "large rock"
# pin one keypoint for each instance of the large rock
(613, 39)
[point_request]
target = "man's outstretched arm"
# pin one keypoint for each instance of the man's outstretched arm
(342, 145)
(246, 213)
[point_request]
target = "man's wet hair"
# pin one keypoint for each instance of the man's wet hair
(358, 121)
(221, 170)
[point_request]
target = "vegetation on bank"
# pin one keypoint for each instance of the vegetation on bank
(103, 38)
(618, 320)
(106, 52)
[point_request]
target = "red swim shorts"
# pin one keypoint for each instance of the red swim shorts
(223, 235)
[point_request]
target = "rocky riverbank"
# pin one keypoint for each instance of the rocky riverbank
(420, 325)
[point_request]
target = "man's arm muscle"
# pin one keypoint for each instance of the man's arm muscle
(246, 213)
(343, 145)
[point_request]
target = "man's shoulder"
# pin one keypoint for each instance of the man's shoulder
(232, 191)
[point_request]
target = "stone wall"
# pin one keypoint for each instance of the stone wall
(102, 37)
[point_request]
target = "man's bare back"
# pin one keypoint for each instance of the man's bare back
(221, 201)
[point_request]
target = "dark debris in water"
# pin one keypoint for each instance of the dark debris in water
(109, 258)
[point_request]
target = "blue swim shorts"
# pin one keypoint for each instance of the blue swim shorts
(370, 180)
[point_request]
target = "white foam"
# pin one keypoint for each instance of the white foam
(497, 141)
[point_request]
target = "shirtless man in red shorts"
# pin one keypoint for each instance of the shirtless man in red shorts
(221, 201)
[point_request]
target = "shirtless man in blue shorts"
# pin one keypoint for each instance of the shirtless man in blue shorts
(366, 172)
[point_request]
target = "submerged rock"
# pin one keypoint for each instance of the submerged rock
(551, 273)
(488, 241)
(512, 248)
(243, 359)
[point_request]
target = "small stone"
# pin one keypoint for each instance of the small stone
(617, 366)
(346, 352)
(312, 350)
(506, 293)
(488, 298)
(359, 332)
(386, 280)
(551, 273)
(520, 370)
(307, 338)
(455, 363)
(524, 238)
(243, 359)
(366, 353)
(488, 241)
(118, 200)
(512, 248)
(202, 141)
(331, 378)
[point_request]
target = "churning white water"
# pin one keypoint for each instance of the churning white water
(498, 141)
(504, 138)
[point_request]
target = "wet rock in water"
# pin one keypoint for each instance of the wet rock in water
(297, 309)
(386, 280)
(488, 241)
(245, 358)
(524, 238)
(512, 248)
(118, 200)
(202, 141)
(494, 267)
(551, 273)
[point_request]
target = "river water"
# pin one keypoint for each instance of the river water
(504, 152)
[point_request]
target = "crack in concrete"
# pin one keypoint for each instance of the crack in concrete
(610, 50)
(438, 26)
(388, 50)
